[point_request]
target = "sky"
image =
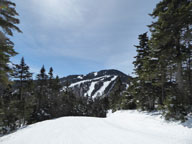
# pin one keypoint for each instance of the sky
(80, 36)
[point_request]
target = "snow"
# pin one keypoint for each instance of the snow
(127, 86)
(122, 127)
(83, 81)
(153, 58)
(80, 77)
(95, 73)
(91, 88)
(105, 85)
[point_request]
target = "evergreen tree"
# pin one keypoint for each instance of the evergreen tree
(51, 73)
(128, 99)
(116, 95)
(8, 23)
(170, 40)
(6, 51)
(22, 74)
(7, 20)
(54, 94)
(41, 93)
(144, 70)
(23, 83)
(163, 62)
(9, 111)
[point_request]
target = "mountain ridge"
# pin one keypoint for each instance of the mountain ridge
(95, 84)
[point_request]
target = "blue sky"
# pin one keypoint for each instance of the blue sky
(80, 36)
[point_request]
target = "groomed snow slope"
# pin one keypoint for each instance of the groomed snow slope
(123, 127)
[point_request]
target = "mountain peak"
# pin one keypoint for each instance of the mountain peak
(95, 83)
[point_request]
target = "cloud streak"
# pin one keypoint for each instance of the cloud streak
(102, 31)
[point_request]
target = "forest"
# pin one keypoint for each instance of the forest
(162, 69)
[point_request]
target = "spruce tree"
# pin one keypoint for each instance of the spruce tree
(163, 62)
(144, 70)
(23, 83)
(8, 23)
(54, 94)
(22, 75)
(9, 111)
(41, 92)
(170, 40)
(116, 95)
(8, 18)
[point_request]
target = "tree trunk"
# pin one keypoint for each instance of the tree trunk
(189, 73)
(179, 77)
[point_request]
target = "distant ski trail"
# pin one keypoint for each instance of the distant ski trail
(128, 127)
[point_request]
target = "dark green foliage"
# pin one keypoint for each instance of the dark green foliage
(41, 94)
(142, 89)
(22, 75)
(7, 20)
(163, 65)
(174, 50)
(8, 115)
(8, 23)
(6, 51)
(116, 95)
(99, 107)
(9, 112)
(23, 84)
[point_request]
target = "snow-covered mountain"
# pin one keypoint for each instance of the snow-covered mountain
(122, 127)
(96, 83)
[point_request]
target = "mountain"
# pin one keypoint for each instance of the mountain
(95, 83)
(122, 127)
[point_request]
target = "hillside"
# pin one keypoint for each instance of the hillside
(95, 83)
(122, 127)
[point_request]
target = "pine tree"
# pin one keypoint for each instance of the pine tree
(143, 88)
(8, 23)
(6, 51)
(22, 74)
(9, 112)
(7, 20)
(116, 95)
(54, 94)
(142, 54)
(129, 96)
(170, 34)
(51, 73)
(23, 83)
(41, 93)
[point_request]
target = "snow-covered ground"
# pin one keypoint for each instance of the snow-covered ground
(122, 127)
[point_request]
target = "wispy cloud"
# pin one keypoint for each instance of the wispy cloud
(102, 31)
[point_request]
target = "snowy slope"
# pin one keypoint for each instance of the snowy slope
(91, 88)
(105, 85)
(89, 80)
(123, 127)
(95, 84)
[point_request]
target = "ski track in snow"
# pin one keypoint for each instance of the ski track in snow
(105, 85)
(91, 88)
(83, 81)
(122, 127)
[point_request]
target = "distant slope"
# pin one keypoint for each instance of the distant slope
(96, 83)
(123, 127)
